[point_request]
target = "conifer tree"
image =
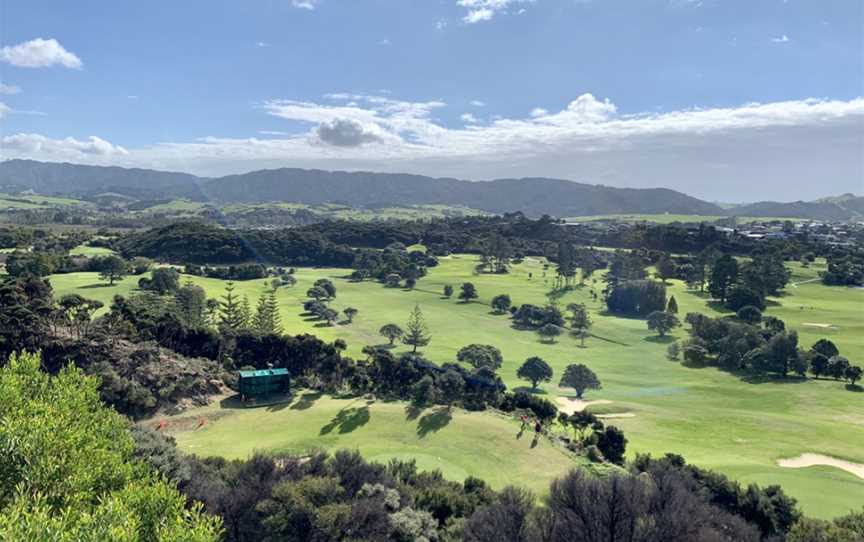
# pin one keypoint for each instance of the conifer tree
(266, 320)
(416, 332)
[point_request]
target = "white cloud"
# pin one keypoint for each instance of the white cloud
(305, 4)
(384, 42)
(272, 133)
(9, 89)
(4, 110)
(39, 146)
(539, 112)
(761, 150)
(782, 39)
(469, 118)
(39, 53)
(260, 44)
(486, 10)
(441, 24)
(478, 103)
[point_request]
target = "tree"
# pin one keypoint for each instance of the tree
(579, 317)
(468, 292)
(673, 352)
(581, 334)
(391, 332)
(162, 281)
(480, 355)
(327, 286)
(742, 296)
(230, 311)
(724, 275)
(330, 316)
(448, 291)
(535, 370)
(450, 387)
(672, 307)
(579, 377)
(853, 374)
(750, 314)
(665, 268)
(662, 322)
(71, 475)
(416, 331)
(826, 348)
(392, 280)
(613, 444)
(819, 365)
(549, 332)
(113, 268)
(350, 313)
(318, 293)
(501, 303)
(192, 305)
(837, 366)
(267, 320)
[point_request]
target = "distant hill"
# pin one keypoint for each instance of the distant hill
(846, 207)
(86, 181)
(533, 196)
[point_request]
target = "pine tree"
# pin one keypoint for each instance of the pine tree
(266, 320)
(230, 315)
(245, 313)
(416, 332)
(672, 307)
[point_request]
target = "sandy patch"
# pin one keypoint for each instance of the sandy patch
(815, 460)
(811, 324)
(571, 405)
(618, 415)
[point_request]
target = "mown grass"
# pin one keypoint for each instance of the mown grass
(459, 443)
(714, 419)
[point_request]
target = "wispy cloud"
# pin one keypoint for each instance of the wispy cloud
(469, 118)
(305, 4)
(478, 103)
(486, 10)
(707, 152)
(39, 53)
(9, 89)
(781, 39)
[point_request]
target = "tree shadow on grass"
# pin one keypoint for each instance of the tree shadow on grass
(854, 388)
(347, 420)
(763, 378)
(307, 400)
(412, 412)
(720, 307)
(605, 339)
(666, 339)
(433, 421)
(529, 389)
(98, 285)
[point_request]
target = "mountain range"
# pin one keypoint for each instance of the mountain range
(533, 196)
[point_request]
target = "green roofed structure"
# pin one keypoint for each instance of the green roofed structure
(263, 382)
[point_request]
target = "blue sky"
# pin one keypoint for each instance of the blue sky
(711, 97)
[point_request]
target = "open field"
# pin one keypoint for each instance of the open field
(8, 201)
(86, 250)
(712, 418)
(459, 443)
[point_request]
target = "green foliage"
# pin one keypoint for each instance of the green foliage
(113, 268)
(416, 331)
(467, 292)
(579, 377)
(501, 303)
(267, 320)
(481, 355)
(67, 472)
(391, 332)
(662, 322)
(535, 370)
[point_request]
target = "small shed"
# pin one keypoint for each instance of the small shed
(263, 382)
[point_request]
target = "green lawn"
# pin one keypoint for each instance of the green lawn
(459, 443)
(85, 250)
(712, 418)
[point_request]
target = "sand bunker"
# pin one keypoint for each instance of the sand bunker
(570, 405)
(811, 324)
(815, 460)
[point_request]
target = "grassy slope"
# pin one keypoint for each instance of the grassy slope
(479, 444)
(712, 418)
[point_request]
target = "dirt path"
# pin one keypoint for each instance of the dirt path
(815, 460)
(796, 284)
(569, 405)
